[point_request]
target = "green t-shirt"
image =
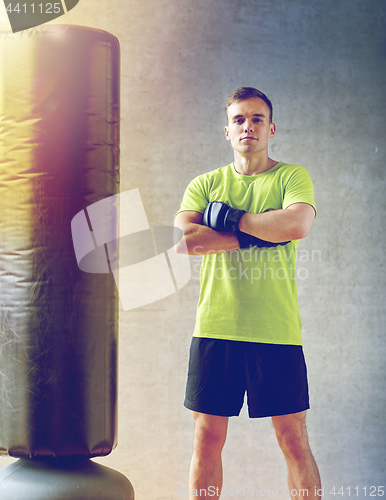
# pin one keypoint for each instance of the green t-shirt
(250, 294)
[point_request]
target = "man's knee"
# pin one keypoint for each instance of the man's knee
(291, 433)
(209, 433)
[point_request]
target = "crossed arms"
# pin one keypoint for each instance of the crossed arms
(291, 223)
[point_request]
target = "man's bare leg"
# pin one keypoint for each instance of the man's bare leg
(303, 474)
(206, 467)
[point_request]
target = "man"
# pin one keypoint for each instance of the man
(246, 220)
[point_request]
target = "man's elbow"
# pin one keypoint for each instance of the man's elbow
(181, 247)
(301, 219)
(300, 231)
(186, 245)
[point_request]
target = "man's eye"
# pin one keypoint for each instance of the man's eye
(239, 120)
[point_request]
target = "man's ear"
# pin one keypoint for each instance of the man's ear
(272, 130)
(226, 130)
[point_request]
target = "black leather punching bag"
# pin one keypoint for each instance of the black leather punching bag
(58, 325)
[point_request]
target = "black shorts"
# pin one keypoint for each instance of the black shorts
(220, 371)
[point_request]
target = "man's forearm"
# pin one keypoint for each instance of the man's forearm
(202, 240)
(276, 225)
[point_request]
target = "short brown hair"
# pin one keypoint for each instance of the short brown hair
(244, 93)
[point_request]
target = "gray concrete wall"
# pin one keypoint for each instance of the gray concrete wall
(323, 65)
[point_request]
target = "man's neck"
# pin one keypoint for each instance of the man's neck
(253, 165)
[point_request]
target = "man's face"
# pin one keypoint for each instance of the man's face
(249, 127)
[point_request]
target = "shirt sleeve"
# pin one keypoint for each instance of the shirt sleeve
(299, 188)
(195, 197)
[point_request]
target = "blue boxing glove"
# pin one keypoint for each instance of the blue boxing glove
(247, 240)
(221, 217)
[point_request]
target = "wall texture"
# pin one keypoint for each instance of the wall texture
(323, 64)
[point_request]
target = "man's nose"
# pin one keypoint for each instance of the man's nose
(248, 126)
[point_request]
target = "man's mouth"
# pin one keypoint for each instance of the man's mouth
(248, 138)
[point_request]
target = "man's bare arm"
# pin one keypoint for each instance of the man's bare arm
(199, 239)
(292, 223)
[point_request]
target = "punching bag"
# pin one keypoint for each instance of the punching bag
(58, 325)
